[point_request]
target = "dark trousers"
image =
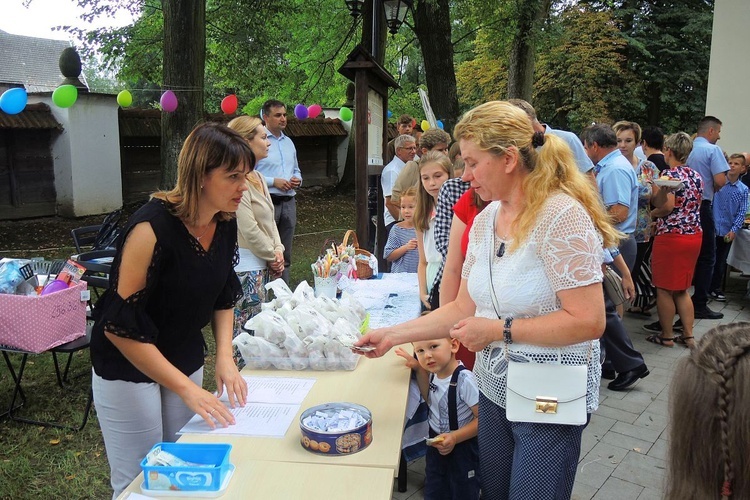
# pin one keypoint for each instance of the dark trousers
(285, 215)
(454, 476)
(616, 343)
(720, 267)
(524, 461)
(704, 267)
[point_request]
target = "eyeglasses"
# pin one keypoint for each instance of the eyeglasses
(412, 148)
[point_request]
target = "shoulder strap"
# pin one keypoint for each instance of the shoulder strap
(452, 406)
(491, 254)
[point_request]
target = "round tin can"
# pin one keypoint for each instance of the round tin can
(337, 442)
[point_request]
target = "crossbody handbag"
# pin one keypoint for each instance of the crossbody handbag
(542, 393)
(613, 286)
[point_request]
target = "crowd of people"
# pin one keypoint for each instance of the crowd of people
(509, 226)
(668, 233)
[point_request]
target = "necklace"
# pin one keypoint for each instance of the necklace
(202, 234)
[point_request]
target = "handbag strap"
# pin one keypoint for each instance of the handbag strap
(492, 286)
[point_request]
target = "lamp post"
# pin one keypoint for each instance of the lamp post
(394, 11)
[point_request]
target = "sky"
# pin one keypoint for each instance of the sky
(41, 16)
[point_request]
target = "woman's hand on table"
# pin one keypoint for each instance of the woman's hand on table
(475, 333)
(208, 406)
(411, 361)
(378, 339)
(228, 376)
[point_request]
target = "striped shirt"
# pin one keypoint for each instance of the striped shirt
(730, 206)
(399, 237)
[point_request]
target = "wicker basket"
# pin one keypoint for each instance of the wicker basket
(364, 271)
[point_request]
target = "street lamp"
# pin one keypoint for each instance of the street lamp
(355, 7)
(395, 13)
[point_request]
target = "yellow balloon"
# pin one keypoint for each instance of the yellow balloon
(425, 125)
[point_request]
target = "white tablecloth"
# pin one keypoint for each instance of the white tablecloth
(739, 253)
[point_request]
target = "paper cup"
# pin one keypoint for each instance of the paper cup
(325, 287)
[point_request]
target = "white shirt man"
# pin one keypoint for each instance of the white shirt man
(406, 149)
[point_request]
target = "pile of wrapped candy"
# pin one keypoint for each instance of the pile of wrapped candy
(334, 420)
(298, 331)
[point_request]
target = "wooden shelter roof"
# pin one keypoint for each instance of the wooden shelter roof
(34, 116)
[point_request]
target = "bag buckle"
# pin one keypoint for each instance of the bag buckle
(546, 404)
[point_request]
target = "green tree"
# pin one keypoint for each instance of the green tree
(582, 74)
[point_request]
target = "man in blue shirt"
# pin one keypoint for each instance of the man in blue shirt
(729, 208)
(618, 186)
(585, 166)
(283, 176)
(708, 160)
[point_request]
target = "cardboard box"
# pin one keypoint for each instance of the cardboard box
(37, 323)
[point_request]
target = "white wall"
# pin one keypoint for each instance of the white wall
(87, 155)
(344, 144)
(728, 96)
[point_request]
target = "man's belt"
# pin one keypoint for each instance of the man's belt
(277, 198)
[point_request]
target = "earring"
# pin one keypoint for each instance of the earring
(201, 186)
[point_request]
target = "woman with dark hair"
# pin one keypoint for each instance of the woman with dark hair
(173, 274)
(709, 410)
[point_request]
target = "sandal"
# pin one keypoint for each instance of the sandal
(658, 339)
(684, 341)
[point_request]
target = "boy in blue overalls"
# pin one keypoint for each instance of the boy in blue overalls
(451, 392)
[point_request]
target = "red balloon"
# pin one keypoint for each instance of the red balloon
(229, 104)
(314, 110)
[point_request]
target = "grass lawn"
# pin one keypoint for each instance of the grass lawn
(43, 462)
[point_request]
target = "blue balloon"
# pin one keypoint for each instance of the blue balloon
(440, 124)
(13, 101)
(390, 113)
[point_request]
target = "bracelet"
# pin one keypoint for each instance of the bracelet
(506, 330)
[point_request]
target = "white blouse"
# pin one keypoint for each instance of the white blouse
(563, 251)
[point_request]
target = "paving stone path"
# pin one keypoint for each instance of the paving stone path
(624, 447)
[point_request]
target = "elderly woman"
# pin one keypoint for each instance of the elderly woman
(530, 290)
(261, 250)
(628, 137)
(677, 242)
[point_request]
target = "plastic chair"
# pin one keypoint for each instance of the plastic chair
(85, 236)
(97, 264)
(98, 236)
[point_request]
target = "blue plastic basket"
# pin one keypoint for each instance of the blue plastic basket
(203, 478)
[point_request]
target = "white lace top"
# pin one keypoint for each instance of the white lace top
(563, 251)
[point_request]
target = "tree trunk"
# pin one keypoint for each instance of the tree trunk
(653, 95)
(432, 25)
(184, 66)
(521, 59)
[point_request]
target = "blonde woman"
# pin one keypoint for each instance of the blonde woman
(261, 251)
(538, 245)
(628, 137)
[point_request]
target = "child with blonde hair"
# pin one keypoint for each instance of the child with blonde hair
(450, 389)
(434, 169)
(401, 248)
